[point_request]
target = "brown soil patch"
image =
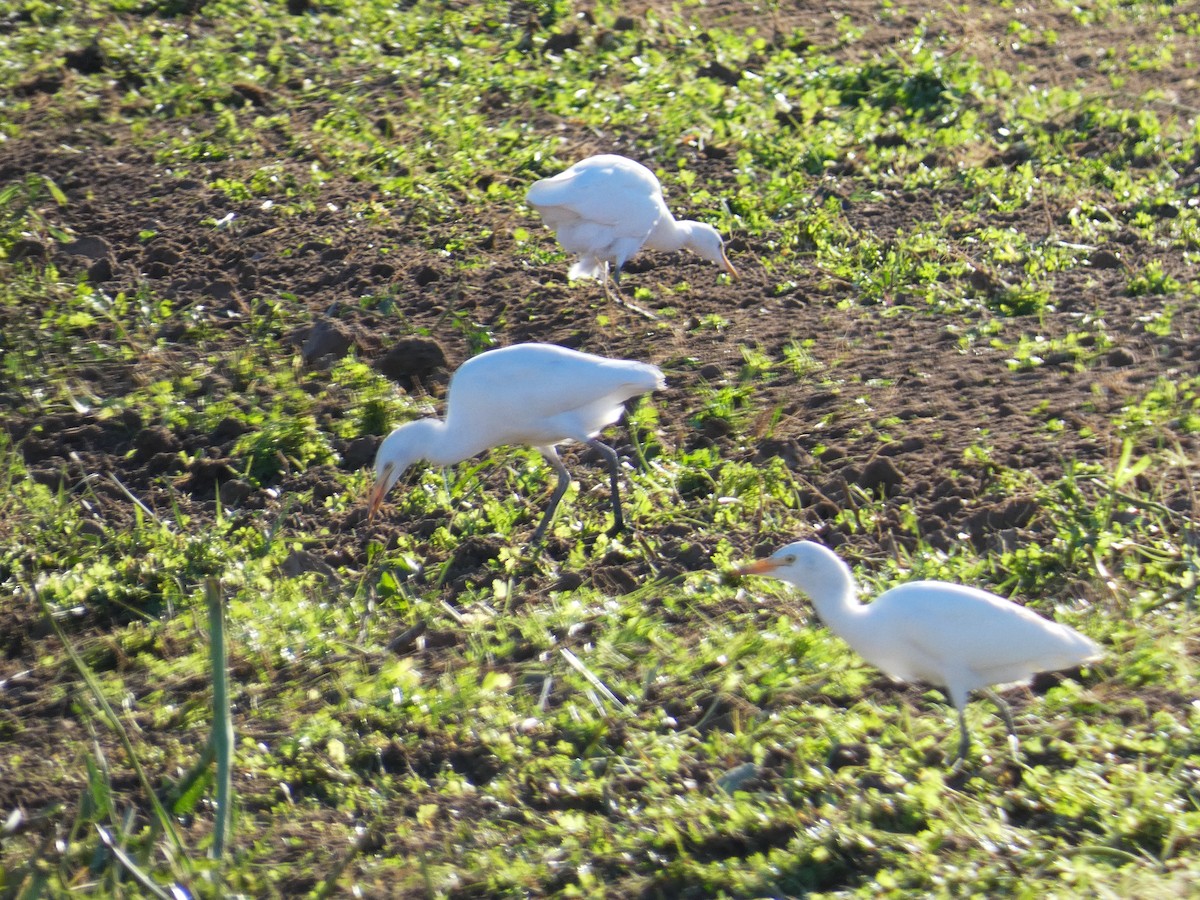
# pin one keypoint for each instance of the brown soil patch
(893, 362)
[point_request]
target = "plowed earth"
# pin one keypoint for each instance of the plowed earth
(940, 391)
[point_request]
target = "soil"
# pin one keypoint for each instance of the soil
(939, 394)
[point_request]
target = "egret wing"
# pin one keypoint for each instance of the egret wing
(542, 394)
(948, 628)
(612, 194)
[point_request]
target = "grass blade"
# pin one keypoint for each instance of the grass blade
(577, 664)
(130, 866)
(222, 729)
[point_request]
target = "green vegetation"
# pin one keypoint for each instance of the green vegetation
(423, 707)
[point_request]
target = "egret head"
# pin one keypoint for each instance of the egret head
(404, 446)
(814, 569)
(705, 241)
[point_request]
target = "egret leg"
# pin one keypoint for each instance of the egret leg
(614, 475)
(564, 482)
(964, 741)
(610, 282)
(617, 297)
(1006, 714)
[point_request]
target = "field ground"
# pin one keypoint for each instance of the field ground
(238, 244)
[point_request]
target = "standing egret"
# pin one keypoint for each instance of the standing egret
(606, 208)
(538, 395)
(958, 638)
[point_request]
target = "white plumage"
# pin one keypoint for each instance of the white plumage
(606, 208)
(957, 638)
(538, 395)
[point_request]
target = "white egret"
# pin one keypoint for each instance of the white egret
(606, 208)
(538, 395)
(957, 638)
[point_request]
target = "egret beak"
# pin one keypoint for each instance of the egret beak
(758, 567)
(729, 267)
(378, 491)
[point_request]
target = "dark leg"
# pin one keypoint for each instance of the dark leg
(617, 297)
(964, 741)
(1005, 712)
(614, 475)
(564, 482)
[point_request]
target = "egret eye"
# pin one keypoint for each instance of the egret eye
(790, 558)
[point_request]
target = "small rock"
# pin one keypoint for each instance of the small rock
(156, 439)
(206, 473)
(947, 506)
(1120, 357)
(326, 338)
(220, 289)
(426, 275)
(227, 429)
(163, 253)
(880, 474)
(26, 249)
(474, 553)
(88, 61)
(843, 755)
(567, 581)
(300, 562)
(413, 358)
(407, 639)
(907, 445)
(567, 40)
(360, 452)
(786, 449)
(693, 557)
(93, 529)
(716, 427)
(720, 72)
(832, 453)
(45, 84)
(1104, 259)
(737, 777)
(234, 492)
(982, 281)
(100, 271)
(89, 245)
(162, 462)
(614, 580)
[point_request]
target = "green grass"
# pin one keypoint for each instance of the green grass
(616, 717)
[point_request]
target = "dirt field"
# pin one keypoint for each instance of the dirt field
(942, 387)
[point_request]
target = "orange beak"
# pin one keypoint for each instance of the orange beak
(729, 267)
(758, 567)
(378, 491)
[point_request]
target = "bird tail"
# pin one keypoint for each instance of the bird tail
(587, 267)
(655, 377)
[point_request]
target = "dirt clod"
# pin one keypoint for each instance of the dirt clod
(413, 360)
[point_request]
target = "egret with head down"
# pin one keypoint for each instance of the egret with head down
(537, 395)
(606, 208)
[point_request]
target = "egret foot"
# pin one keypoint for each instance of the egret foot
(618, 298)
